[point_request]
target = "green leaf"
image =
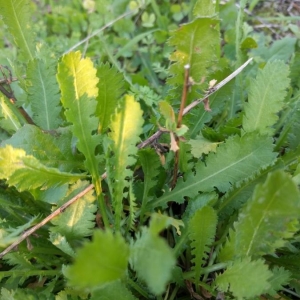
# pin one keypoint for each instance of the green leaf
(239, 193)
(202, 229)
(267, 220)
(160, 222)
(43, 94)
(78, 220)
(132, 208)
(153, 260)
(197, 44)
(99, 262)
(204, 8)
(78, 83)
(237, 159)
(17, 18)
(126, 127)
(111, 87)
(8, 235)
(167, 111)
(201, 146)
(279, 278)
(199, 117)
(57, 154)
(245, 279)
(8, 119)
(26, 172)
(292, 126)
(150, 165)
(266, 98)
(113, 291)
(61, 242)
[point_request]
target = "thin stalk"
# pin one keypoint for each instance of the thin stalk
(137, 288)
(103, 212)
(179, 120)
(220, 266)
(238, 82)
(180, 243)
(174, 293)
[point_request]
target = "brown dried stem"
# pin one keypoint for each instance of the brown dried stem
(179, 120)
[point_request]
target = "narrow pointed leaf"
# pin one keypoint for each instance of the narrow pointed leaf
(237, 159)
(150, 165)
(126, 127)
(16, 17)
(43, 94)
(266, 97)
(78, 83)
(111, 86)
(202, 228)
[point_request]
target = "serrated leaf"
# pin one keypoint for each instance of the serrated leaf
(8, 119)
(6, 294)
(197, 44)
(113, 291)
(16, 16)
(78, 220)
(279, 278)
(235, 160)
(201, 146)
(9, 235)
(57, 154)
(26, 172)
(292, 125)
(126, 126)
(110, 86)
(202, 230)
(61, 242)
(78, 83)
(267, 220)
(239, 193)
(132, 208)
(153, 261)
(43, 94)
(245, 279)
(266, 98)
(99, 262)
(150, 165)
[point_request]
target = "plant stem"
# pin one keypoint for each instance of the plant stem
(210, 269)
(102, 208)
(238, 31)
(137, 288)
(180, 243)
(179, 120)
